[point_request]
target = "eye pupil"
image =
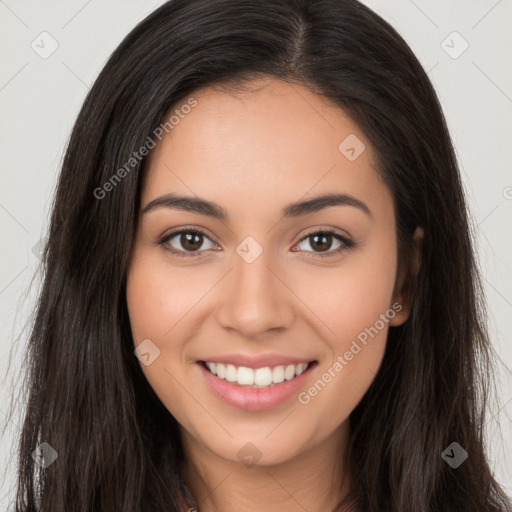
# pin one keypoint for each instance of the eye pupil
(323, 246)
(187, 241)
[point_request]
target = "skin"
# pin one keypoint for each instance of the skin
(253, 154)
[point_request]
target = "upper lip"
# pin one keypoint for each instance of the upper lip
(259, 361)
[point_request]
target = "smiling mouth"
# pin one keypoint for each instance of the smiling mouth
(265, 377)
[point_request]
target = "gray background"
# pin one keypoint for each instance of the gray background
(40, 98)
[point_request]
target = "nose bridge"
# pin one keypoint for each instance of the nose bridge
(254, 298)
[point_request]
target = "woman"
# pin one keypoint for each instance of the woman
(194, 348)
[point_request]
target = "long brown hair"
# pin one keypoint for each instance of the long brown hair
(118, 447)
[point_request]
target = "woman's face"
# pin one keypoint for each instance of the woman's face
(269, 284)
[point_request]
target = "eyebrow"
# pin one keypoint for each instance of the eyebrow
(211, 209)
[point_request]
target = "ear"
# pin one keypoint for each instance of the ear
(403, 293)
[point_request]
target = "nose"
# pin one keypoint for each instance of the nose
(255, 298)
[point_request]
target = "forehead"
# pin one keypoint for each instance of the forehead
(268, 146)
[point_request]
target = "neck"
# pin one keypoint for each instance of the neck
(315, 480)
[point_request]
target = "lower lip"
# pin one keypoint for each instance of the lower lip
(255, 399)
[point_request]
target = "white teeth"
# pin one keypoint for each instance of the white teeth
(278, 374)
(301, 368)
(231, 373)
(245, 376)
(289, 372)
(263, 376)
(256, 378)
(221, 371)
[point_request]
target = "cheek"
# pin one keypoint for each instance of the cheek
(158, 298)
(156, 302)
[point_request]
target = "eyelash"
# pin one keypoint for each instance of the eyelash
(347, 244)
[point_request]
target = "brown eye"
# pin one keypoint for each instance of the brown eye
(322, 241)
(191, 241)
(185, 241)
